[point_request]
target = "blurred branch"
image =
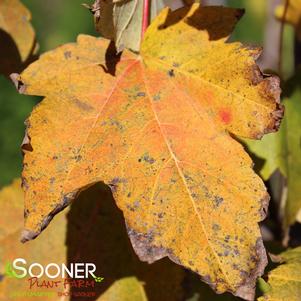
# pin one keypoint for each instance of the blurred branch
(297, 53)
(270, 57)
(282, 36)
(214, 2)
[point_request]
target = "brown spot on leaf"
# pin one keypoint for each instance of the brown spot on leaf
(218, 201)
(82, 105)
(171, 73)
(67, 55)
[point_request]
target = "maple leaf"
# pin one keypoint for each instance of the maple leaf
(292, 15)
(121, 20)
(156, 128)
(17, 37)
(285, 279)
(92, 219)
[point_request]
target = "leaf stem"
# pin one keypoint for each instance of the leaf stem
(282, 37)
(145, 16)
(297, 52)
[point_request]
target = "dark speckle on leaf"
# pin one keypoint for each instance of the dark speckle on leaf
(171, 73)
(236, 252)
(82, 105)
(216, 227)
(114, 183)
(117, 124)
(67, 54)
(133, 207)
(140, 94)
(117, 181)
(227, 238)
(226, 253)
(147, 158)
(78, 158)
(156, 97)
(218, 201)
(187, 177)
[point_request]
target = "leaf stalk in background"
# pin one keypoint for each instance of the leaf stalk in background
(281, 37)
(145, 18)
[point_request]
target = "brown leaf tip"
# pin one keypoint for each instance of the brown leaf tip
(30, 234)
(146, 250)
(270, 91)
(247, 289)
(277, 117)
(142, 244)
(26, 143)
(264, 206)
(239, 12)
(27, 235)
(274, 91)
(16, 78)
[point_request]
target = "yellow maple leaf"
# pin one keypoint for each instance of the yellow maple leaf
(155, 127)
(292, 15)
(17, 37)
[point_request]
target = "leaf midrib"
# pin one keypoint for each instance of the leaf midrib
(184, 182)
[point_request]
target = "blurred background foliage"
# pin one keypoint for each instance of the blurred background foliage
(57, 22)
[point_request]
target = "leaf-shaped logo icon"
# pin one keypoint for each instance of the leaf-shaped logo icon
(98, 279)
(9, 272)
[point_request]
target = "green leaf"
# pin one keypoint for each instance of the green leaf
(121, 20)
(269, 153)
(292, 131)
(285, 280)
